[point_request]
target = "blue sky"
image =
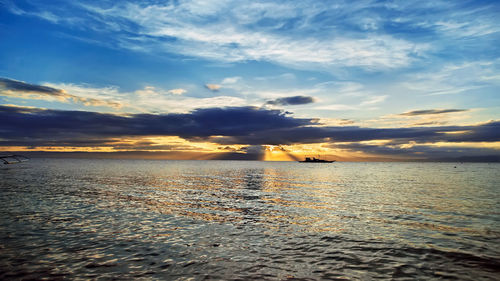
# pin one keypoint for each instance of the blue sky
(364, 64)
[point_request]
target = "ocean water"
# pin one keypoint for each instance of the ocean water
(241, 220)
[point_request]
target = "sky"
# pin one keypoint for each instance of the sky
(256, 80)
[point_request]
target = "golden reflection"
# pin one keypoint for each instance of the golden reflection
(224, 197)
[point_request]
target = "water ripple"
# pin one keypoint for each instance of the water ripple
(235, 220)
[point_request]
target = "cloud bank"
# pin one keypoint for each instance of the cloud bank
(231, 125)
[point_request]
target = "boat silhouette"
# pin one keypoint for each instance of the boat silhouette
(316, 160)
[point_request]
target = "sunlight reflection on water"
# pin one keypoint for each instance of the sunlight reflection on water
(244, 219)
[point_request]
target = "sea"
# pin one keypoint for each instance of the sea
(80, 219)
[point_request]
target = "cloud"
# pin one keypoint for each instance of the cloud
(231, 125)
(23, 90)
(336, 107)
(176, 103)
(150, 98)
(372, 35)
(251, 127)
(488, 132)
(304, 34)
(35, 123)
(374, 100)
(465, 28)
(153, 91)
(431, 112)
(295, 100)
(213, 87)
(454, 78)
(178, 91)
(424, 151)
(346, 122)
(231, 80)
(19, 86)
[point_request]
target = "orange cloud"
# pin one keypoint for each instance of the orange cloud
(213, 87)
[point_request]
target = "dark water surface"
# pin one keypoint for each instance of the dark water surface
(132, 219)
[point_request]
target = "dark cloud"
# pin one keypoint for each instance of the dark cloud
(346, 122)
(431, 111)
(309, 134)
(428, 152)
(435, 123)
(237, 156)
(227, 148)
(295, 100)
(33, 123)
(254, 127)
(14, 85)
(254, 149)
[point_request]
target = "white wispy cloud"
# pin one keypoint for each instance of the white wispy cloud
(177, 91)
(150, 90)
(231, 80)
(374, 100)
(287, 76)
(336, 107)
(230, 31)
(462, 22)
(147, 99)
(218, 42)
(454, 78)
(425, 117)
(301, 34)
